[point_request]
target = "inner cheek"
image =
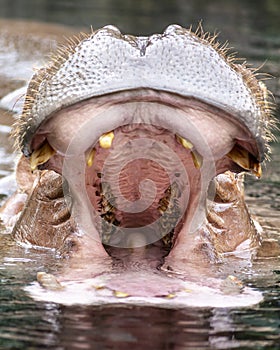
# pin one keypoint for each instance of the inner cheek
(219, 135)
(61, 133)
(63, 127)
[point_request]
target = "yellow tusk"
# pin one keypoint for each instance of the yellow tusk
(185, 143)
(197, 159)
(245, 160)
(41, 155)
(106, 140)
(90, 157)
(240, 156)
(257, 170)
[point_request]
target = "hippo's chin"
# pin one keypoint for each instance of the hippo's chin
(140, 167)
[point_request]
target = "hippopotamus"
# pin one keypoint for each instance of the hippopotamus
(134, 151)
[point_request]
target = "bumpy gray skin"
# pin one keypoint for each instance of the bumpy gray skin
(177, 61)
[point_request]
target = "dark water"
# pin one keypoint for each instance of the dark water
(254, 28)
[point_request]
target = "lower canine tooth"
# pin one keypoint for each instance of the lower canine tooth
(185, 143)
(41, 155)
(90, 157)
(106, 140)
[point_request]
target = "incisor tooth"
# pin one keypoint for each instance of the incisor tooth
(245, 160)
(90, 157)
(170, 296)
(106, 140)
(119, 294)
(185, 143)
(41, 155)
(197, 159)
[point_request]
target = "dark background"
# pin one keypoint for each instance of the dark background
(261, 17)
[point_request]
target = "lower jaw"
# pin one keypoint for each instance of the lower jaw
(131, 233)
(144, 270)
(148, 246)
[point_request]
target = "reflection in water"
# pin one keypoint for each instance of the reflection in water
(39, 324)
(253, 27)
(109, 328)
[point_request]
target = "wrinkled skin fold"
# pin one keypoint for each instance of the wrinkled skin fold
(135, 161)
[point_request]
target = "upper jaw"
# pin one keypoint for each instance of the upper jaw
(213, 132)
(177, 61)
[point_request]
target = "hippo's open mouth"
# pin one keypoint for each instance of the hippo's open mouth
(140, 127)
(139, 163)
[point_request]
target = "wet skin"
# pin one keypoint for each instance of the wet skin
(135, 161)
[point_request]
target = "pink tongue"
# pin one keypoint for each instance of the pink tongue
(143, 283)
